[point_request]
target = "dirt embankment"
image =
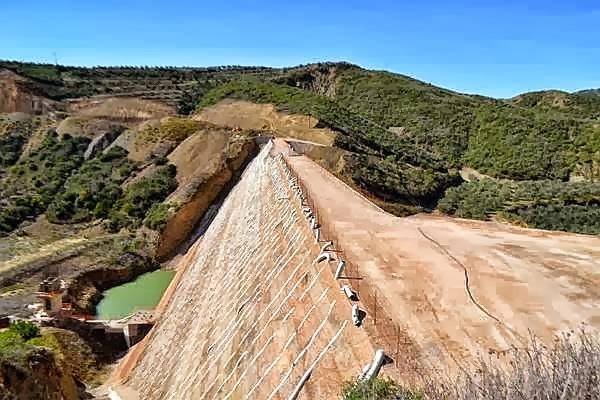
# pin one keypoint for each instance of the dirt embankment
(37, 373)
(120, 109)
(247, 115)
(201, 186)
(40, 377)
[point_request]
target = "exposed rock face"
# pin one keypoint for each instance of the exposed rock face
(16, 97)
(39, 377)
(99, 143)
(320, 79)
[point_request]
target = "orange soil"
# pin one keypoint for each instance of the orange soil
(519, 279)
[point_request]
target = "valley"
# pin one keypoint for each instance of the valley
(270, 194)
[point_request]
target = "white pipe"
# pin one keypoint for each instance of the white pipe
(375, 366)
(348, 292)
(323, 257)
(326, 246)
(356, 315)
(317, 233)
(340, 269)
(310, 369)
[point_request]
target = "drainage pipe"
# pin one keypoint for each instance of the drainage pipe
(326, 246)
(323, 257)
(356, 315)
(375, 366)
(349, 292)
(340, 269)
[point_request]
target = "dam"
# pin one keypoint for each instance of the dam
(257, 312)
(254, 312)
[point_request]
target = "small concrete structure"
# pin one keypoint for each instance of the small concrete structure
(323, 257)
(350, 294)
(50, 293)
(134, 327)
(356, 315)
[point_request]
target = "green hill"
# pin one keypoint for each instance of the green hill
(406, 140)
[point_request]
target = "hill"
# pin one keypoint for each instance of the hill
(105, 172)
(405, 142)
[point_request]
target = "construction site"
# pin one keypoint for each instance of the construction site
(300, 284)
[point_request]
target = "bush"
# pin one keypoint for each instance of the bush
(377, 389)
(26, 192)
(26, 330)
(159, 215)
(141, 196)
(93, 189)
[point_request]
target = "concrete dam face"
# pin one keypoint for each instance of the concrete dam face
(254, 314)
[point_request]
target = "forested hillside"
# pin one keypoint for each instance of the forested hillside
(406, 141)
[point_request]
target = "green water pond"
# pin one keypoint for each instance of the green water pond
(143, 293)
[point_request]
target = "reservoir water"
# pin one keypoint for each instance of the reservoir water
(143, 293)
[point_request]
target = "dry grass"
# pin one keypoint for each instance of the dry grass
(569, 369)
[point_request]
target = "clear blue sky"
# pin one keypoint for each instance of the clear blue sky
(497, 48)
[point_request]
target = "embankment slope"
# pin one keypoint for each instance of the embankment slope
(252, 311)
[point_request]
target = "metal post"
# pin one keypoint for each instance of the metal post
(397, 345)
(375, 309)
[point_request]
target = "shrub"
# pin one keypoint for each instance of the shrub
(93, 189)
(27, 192)
(158, 216)
(141, 196)
(26, 330)
(377, 389)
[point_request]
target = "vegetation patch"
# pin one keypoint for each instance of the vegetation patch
(554, 205)
(159, 214)
(377, 389)
(141, 196)
(31, 184)
(92, 191)
(392, 166)
(170, 129)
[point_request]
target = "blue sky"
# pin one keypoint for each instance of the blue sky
(498, 48)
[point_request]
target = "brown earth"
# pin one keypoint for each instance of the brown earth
(416, 269)
(246, 115)
(121, 109)
(207, 163)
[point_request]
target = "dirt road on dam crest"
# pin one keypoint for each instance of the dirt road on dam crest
(459, 287)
